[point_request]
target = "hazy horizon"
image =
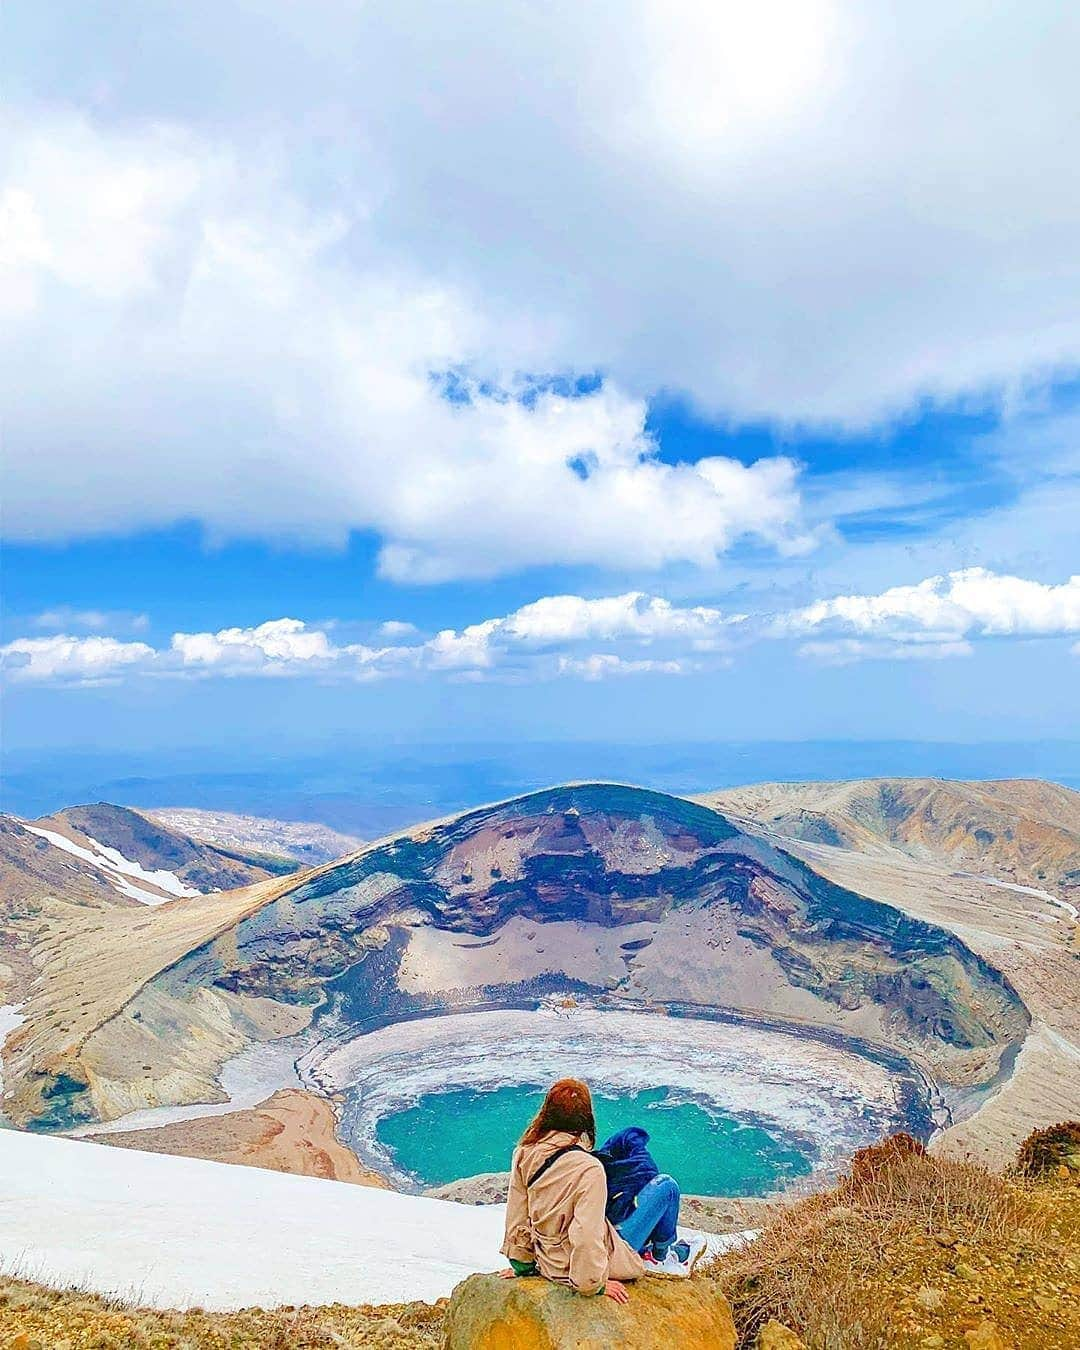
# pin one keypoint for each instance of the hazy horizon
(376, 787)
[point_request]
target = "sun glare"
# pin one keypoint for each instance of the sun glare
(722, 71)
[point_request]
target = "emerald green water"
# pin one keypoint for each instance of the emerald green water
(448, 1135)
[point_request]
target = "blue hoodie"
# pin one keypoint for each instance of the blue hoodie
(629, 1166)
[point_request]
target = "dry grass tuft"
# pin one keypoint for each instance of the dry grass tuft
(913, 1252)
(1045, 1151)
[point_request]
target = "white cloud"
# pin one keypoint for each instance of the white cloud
(193, 341)
(557, 635)
(972, 601)
(799, 209)
(600, 665)
(395, 630)
(846, 651)
(212, 316)
(533, 639)
(278, 646)
(571, 618)
(561, 620)
(73, 660)
(469, 649)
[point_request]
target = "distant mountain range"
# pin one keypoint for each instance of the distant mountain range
(369, 788)
(306, 842)
(112, 852)
(1021, 830)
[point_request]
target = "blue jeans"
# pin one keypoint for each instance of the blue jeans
(654, 1218)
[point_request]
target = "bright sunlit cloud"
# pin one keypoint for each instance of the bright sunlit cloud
(571, 635)
(726, 74)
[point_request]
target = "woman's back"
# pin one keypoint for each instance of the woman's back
(558, 1219)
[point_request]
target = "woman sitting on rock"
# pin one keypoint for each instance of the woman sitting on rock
(556, 1224)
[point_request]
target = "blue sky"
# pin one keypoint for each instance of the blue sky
(644, 372)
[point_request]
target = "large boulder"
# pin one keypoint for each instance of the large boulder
(489, 1313)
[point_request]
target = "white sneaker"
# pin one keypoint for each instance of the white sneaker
(672, 1264)
(681, 1258)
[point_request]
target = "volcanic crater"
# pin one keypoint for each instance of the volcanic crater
(599, 896)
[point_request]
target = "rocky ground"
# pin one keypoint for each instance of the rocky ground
(1033, 942)
(651, 896)
(1020, 830)
(928, 1254)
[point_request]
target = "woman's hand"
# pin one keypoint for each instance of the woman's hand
(507, 1274)
(616, 1291)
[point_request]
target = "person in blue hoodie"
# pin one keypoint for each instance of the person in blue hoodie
(643, 1203)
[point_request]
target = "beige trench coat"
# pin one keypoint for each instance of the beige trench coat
(559, 1221)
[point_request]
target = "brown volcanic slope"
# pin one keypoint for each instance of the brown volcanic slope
(41, 884)
(46, 889)
(31, 868)
(903, 842)
(292, 1131)
(1018, 830)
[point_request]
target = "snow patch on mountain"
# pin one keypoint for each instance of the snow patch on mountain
(119, 869)
(1070, 909)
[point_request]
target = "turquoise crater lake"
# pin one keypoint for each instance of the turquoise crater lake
(458, 1133)
(733, 1109)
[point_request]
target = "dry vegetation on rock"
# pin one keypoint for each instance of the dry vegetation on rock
(916, 1251)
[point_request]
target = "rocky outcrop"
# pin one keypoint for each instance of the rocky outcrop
(486, 1188)
(489, 1313)
(705, 1213)
(775, 1336)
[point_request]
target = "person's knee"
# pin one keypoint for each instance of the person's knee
(666, 1183)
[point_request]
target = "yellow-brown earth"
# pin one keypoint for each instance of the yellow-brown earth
(292, 1131)
(33, 1318)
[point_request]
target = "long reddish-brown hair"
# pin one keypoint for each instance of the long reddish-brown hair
(567, 1106)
